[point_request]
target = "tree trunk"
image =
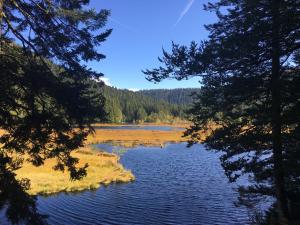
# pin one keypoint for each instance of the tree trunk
(282, 205)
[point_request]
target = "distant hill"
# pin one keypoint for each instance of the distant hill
(127, 106)
(180, 96)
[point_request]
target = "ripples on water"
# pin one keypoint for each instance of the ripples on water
(174, 185)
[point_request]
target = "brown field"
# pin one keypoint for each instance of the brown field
(104, 168)
(181, 124)
(131, 138)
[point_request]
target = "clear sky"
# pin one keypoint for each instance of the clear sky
(141, 28)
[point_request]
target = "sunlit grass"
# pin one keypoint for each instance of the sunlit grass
(131, 138)
(175, 124)
(104, 168)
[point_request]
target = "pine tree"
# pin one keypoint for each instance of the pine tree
(140, 115)
(135, 106)
(250, 93)
(45, 91)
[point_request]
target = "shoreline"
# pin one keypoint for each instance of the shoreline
(104, 169)
(182, 124)
(133, 138)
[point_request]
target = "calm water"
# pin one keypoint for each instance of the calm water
(138, 127)
(174, 185)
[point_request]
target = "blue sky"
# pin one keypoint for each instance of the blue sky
(141, 28)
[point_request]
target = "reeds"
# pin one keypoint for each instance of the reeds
(104, 168)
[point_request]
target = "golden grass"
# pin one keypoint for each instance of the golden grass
(131, 138)
(178, 124)
(104, 168)
(2, 132)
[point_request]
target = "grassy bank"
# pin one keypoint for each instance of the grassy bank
(104, 168)
(131, 138)
(181, 124)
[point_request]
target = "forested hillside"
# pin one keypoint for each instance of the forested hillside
(129, 106)
(181, 96)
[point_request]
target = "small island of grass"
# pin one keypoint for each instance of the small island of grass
(104, 168)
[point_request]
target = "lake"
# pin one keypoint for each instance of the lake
(174, 185)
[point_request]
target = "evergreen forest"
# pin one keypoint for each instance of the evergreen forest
(153, 106)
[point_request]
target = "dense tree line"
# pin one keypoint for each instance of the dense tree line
(179, 96)
(250, 99)
(128, 106)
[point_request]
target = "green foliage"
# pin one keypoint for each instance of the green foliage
(65, 31)
(113, 109)
(129, 106)
(41, 103)
(39, 111)
(249, 70)
(141, 114)
(179, 96)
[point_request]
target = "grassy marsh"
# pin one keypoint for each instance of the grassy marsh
(104, 168)
(131, 138)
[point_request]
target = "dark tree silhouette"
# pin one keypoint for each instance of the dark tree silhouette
(249, 69)
(47, 101)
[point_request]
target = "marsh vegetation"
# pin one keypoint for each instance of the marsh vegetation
(103, 169)
(246, 110)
